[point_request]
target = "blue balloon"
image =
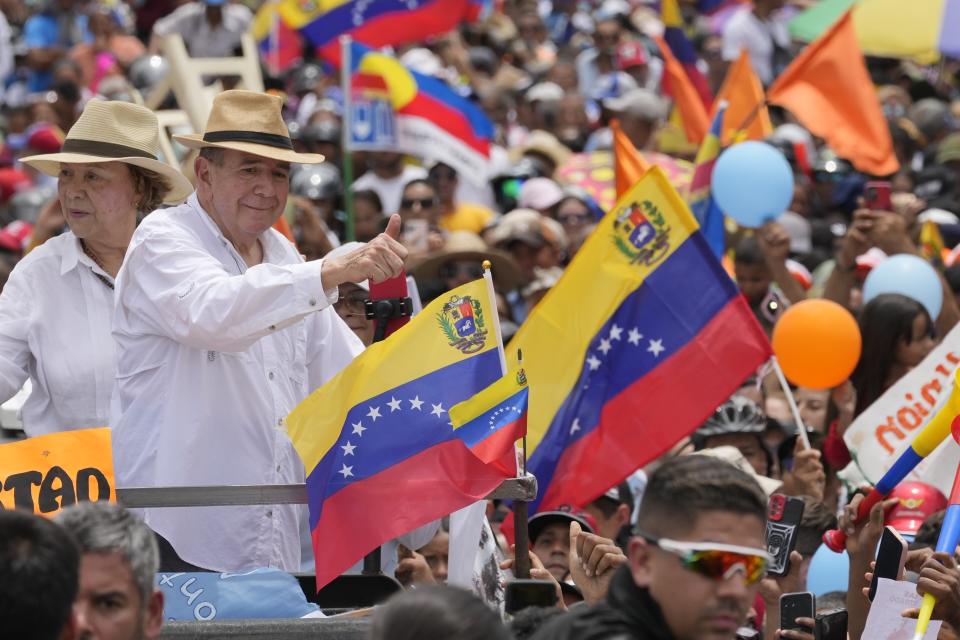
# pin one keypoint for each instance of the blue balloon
(752, 183)
(828, 572)
(908, 275)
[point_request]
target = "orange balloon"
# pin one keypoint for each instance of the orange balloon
(817, 343)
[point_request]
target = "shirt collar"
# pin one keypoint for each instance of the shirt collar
(71, 254)
(272, 249)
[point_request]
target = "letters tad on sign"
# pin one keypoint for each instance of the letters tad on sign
(47, 473)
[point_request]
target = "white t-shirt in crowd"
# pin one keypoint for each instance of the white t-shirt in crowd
(746, 29)
(202, 41)
(389, 189)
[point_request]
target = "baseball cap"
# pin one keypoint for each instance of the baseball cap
(916, 501)
(639, 103)
(734, 457)
(564, 514)
(12, 181)
(539, 193)
(631, 54)
(15, 236)
(545, 92)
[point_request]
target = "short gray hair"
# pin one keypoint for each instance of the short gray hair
(101, 527)
(213, 155)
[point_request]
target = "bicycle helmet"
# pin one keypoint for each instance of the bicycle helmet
(736, 415)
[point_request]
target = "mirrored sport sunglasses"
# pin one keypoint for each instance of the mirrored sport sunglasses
(715, 560)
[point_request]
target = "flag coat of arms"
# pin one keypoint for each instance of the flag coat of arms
(640, 341)
(378, 442)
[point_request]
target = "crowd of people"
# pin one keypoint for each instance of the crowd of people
(192, 308)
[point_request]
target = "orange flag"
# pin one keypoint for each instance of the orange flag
(678, 86)
(629, 165)
(828, 89)
(743, 92)
(283, 227)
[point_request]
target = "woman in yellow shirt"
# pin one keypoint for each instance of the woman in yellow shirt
(462, 216)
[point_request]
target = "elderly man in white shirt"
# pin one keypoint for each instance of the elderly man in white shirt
(210, 29)
(221, 329)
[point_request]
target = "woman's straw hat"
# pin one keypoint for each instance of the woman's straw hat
(248, 121)
(109, 131)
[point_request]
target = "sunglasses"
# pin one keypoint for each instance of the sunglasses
(715, 560)
(425, 203)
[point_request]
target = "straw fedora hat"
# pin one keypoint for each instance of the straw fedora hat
(110, 131)
(464, 245)
(248, 121)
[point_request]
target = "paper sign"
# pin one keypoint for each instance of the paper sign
(47, 473)
(887, 427)
(885, 622)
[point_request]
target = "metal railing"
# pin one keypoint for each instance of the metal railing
(522, 489)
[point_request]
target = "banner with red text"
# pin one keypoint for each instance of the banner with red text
(881, 433)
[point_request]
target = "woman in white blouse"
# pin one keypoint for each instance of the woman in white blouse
(56, 308)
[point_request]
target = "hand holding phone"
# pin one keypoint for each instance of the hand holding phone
(891, 556)
(521, 594)
(797, 605)
(876, 195)
(783, 519)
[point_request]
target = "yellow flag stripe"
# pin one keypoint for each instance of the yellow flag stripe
(555, 337)
(418, 349)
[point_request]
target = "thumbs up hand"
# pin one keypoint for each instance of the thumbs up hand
(380, 259)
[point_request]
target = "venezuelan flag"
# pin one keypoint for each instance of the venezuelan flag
(377, 441)
(280, 46)
(704, 207)
(428, 113)
(640, 341)
(377, 23)
(491, 422)
(683, 50)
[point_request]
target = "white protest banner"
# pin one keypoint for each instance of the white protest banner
(884, 621)
(887, 427)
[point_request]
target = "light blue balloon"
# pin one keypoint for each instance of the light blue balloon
(828, 572)
(752, 183)
(907, 275)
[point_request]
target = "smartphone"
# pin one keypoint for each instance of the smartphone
(891, 556)
(783, 520)
(521, 594)
(876, 195)
(415, 234)
(801, 604)
(832, 625)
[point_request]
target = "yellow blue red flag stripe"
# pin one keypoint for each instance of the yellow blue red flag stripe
(643, 337)
(704, 207)
(378, 437)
